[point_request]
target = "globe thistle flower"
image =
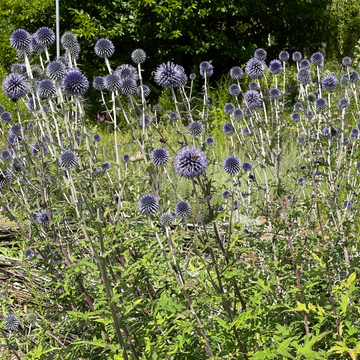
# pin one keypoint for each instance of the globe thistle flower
(15, 130)
(354, 76)
(173, 116)
(45, 36)
(343, 104)
(254, 85)
(206, 69)
(33, 105)
(309, 114)
(104, 48)
(255, 68)
(284, 56)
(246, 131)
(145, 118)
(35, 46)
(234, 90)
(148, 204)
(112, 82)
(192, 76)
(354, 134)
(290, 197)
(275, 93)
(321, 104)
(5, 178)
(183, 209)
(46, 89)
(29, 253)
(20, 40)
(232, 165)
(160, 156)
(228, 129)
(210, 100)
(199, 224)
(128, 86)
(127, 71)
(301, 141)
(75, 83)
(220, 209)
(11, 322)
(6, 155)
(346, 61)
(73, 51)
(249, 112)
(236, 204)
(166, 219)
(146, 90)
(312, 97)
(190, 162)
(14, 86)
(168, 75)
(295, 117)
(56, 70)
(347, 204)
(317, 58)
(68, 159)
(329, 82)
(183, 79)
(6, 117)
(68, 40)
(209, 141)
(346, 141)
(238, 114)
(99, 83)
(28, 53)
(304, 76)
(42, 217)
(18, 68)
(304, 64)
(138, 56)
(252, 99)
(97, 138)
(226, 194)
(229, 108)
(31, 318)
(126, 158)
(37, 72)
(275, 67)
(300, 180)
(105, 166)
(195, 128)
(260, 54)
(236, 73)
(345, 81)
(246, 166)
(296, 56)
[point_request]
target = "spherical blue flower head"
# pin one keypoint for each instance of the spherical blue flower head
(321, 104)
(126, 158)
(260, 54)
(232, 165)
(252, 99)
(229, 108)
(105, 166)
(146, 90)
(97, 138)
(46, 89)
(346, 61)
(128, 86)
(295, 117)
(148, 204)
(329, 82)
(210, 141)
(63, 60)
(275, 67)
(190, 162)
(284, 56)
(18, 68)
(68, 40)
(138, 56)
(210, 100)
(104, 48)
(304, 76)
(298, 106)
(296, 56)
(275, 93)
(168, 75)
(234, 90)
(206, 69)
(354, 76)
(236, 73)
(238, 114)
(246, 131)
(112, 82)
(42, 218)
(192, 76)
(160, 156)
(236, 204)
(6, 117)
(346, 141)
(246, 166)
(304, 64)
(147, 119)
(11, 322)
(345, 81)
(127, 71)
(183, 79)
(28, 52)
(35, 46)
(300, 180)
(56, 70)
(6, 155)
(255, 68)
(199, 224)
(347, 204)
(37, 72)
(75, 83)
(249, 112)
(166, 219)
(183, 209)
(20, 40)
(173, 116)
(354, 134)
(228, 129)
(5, 178)
(29, 253)
(33, 105)
(317, 58)
(45, 36)
(34, 146)
(68, 159)
(196, 128)
(254, 85)
(226, 194)
(99, 83)
(14, 86)
(343, 104)
(309, 114)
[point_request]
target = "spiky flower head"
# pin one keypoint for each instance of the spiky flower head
(234, 90)
(97, 138)
(148, 204)
(345, 81)
(312, 97)
(228, 129)
(112, 82)
(229, 108)
(166, 219)
(343, 104)
(260, 54)
(206, 69)
(18, 68)
(14, 86)
(128, 86)
(317, 58)
(238, 114)
(46, 89)
(105, 166)
(190, 162)
(275, 93)
(346, 61)
(68, 40)
(354, 134)
(35, 46)
(295, 117)
(309, 114)
(99, 83)
(145, 90)
(56, 70)
(246, 166)
(173, 116)
(196, 128)
(6, 117)
(37, 72)
(75, 83)
(5, 178)
(31, 318)
(126, 158)
(255, 68)
(329, 82)
(104, 48)
(300, 181)
(226, 194)
(252, 99)
(254, 85)
(321, 104)
(45, 36)
(236, 73)
(246, 131)
(249, 112)
(138, 56)
(6, 155)
(275, 67)
(284, 56)
(296, 56)
(210, 141)
(127, 71)
(354, 76)
(168, 75)
(304, 64)
(232, 165)
(304, 76)
(68, 159)
(192, 76)
(11, 322)
(160, 156)
(183, 209)
(20, 40)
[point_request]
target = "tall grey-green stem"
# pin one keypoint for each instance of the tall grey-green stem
(115, 137)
